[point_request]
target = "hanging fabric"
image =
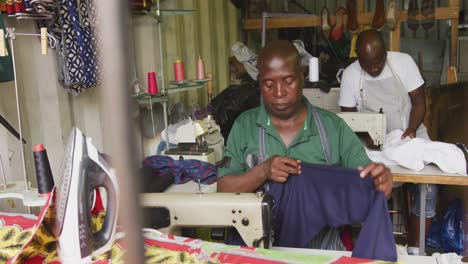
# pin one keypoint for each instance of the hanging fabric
(6, 65)
(77, 52)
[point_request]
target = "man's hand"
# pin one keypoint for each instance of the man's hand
(409, 132)
(381, 175)
(278, 168)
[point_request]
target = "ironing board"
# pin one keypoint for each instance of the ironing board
(28, 238)
(172, 249)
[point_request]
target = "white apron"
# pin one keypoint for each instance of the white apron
(390, 96)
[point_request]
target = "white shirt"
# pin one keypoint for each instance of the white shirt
(403, 66)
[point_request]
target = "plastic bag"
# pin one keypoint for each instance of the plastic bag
(452, 228)
(448, 233)
(433, 238)
(247, 57)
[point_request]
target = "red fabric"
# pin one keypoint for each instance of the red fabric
(21, 221)
(349, 260)
(347, 238)
(98, 206)
(231, 258)
(172, 246)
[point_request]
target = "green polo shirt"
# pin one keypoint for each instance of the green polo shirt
(346, 148)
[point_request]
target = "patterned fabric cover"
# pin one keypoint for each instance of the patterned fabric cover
(28, 239)
(77, 52)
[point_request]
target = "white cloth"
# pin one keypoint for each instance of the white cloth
(380, 157)
(414, 153)
(447, 258)
(172, 132)
(403, 65)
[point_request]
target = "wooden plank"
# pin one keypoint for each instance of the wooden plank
(395, 38)
(455, 6)
(441, 13)
(360, 13)
(431, 179)
(363, 19)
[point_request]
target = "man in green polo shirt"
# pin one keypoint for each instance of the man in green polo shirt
(290, 132)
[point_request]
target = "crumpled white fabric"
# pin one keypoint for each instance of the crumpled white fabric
(173, 131)
(415, 153)
(447, 258)
(380, 157)
(247, 57)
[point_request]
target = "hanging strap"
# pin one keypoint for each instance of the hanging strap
(261, 145)
(262, 156)
(323, 135)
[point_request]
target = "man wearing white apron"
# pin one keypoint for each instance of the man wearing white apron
(389, 82)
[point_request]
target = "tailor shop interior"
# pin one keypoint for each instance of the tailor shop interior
(241, 131)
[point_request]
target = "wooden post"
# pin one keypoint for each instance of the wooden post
(454, 6)
(360, 10)
(395, 38)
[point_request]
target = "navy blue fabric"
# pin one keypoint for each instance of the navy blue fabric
(326, 195)
(183, 170)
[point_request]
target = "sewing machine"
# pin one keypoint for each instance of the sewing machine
(249, 213)
(200, 140)
(372, 123)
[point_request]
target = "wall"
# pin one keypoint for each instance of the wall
(208, 32)
(48, 112)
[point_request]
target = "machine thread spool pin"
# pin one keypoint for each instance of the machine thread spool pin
(45, 180)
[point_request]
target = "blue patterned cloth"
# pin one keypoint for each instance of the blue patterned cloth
(77, 55)
(183, 170)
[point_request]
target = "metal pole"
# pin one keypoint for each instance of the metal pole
(3, 173)
(161, 63)
(115, 103)
(18, 111)
(264, 16)
(422, 219)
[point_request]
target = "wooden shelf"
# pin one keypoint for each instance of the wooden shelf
(363, 19)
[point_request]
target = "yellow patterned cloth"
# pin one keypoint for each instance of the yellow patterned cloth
(29, 239)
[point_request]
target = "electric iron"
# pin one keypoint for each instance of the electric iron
(83, 170)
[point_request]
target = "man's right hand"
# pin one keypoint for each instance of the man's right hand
(278, 168)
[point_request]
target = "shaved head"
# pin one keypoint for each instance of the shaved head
(371, 52)
(279, 49)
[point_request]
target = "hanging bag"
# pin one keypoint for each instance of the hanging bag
(77, 53)
(6, 65)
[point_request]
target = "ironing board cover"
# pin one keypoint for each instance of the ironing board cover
(28, 239)
(77, 56)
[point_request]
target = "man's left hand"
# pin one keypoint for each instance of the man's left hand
(381, 175)
(409, 132)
